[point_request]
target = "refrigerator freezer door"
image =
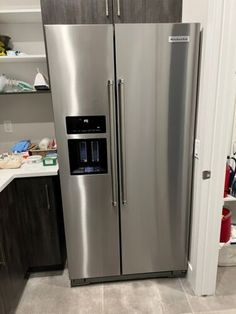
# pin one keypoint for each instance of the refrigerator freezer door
(156, 85)
(81, 62)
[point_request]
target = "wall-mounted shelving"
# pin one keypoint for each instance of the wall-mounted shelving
(26, 58)
(21, 20)
(30, 111)
(36, 92)
(18, 16)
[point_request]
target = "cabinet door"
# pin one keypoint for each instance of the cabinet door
(2, 309)
(13, 266)
(4, 278)
(76, 11)
(43, 221)
(4, 283)
(147, 11)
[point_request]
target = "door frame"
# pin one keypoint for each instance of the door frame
(214, 123)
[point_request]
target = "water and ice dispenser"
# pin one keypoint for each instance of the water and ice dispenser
(87, 155)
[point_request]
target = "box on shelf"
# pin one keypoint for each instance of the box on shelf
(43, 153)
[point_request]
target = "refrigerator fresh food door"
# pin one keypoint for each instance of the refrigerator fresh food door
(81, 63)
(156, 85)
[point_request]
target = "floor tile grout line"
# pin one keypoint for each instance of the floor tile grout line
(158, 293)
(162, 307)
(159, 299)
(103, 299)
(189, 303)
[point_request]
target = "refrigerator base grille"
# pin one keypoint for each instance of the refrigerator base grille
(87, 281)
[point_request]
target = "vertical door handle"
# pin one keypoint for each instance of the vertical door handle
(107, 8)
(113, 142)
(47, 197)
(118, 7)
(121, 86)
(2, 257)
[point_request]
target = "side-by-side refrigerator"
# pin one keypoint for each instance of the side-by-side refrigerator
(124, 99)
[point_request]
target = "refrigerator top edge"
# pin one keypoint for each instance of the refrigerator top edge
(78, 25)
(130, 24)
(115, 24)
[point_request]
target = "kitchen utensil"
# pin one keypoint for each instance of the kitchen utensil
(34, 159)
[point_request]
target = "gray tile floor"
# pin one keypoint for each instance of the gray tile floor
(53, 295)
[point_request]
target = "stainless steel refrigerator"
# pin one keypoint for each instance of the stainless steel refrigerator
(124, 99)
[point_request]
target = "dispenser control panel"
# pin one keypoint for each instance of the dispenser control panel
(86, 124)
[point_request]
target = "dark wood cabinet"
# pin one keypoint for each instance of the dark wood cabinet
(42, 217)
(4, 277)
(31, 234)
(5, 300)
(76, 11)
(2, 309)
(147, 11)
(111, 11)
(13, 265)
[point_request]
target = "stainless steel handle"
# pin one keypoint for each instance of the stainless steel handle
(118, 7)
(2, 258)
(121, 84)
(47, 197)
(107, 8)
(113, 142)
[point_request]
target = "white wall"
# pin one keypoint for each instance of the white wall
(195, 11)
(214, 127)
(6, 4)
(31, 116)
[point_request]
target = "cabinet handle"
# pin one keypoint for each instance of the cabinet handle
(2, 258)
(118, 7)
(47, 197)
(107, 8)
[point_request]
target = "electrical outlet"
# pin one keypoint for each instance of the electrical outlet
(8, 126)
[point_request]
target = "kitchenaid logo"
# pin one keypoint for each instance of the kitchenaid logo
(179, 39)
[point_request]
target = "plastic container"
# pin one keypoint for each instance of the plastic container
(226, 221)
(36, 159)
(50, 161)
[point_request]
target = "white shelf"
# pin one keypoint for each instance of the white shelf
(230, 198)
(22, 59)
(20, 16)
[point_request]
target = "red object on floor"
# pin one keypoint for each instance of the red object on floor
(227, 177)
(225, 232)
